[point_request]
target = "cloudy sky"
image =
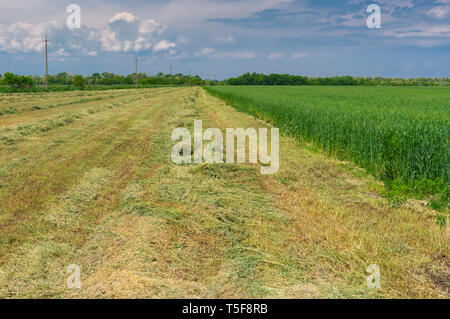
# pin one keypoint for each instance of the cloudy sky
(228, 37)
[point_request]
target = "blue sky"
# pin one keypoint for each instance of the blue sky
(228, 38)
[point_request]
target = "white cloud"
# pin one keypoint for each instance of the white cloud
(142, 43)
(108, 41)
(125, 32)
(121, 32)
(61, 52)
(204, 51)
(151, 26)
(24, 37)
(439, 12)
(164, 45)
(123, 16)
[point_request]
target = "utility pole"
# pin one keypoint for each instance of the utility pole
(171, 70)
(46, 62)
(136, 72)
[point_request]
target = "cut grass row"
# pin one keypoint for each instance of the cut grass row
(17, 105)
(49, 202)
(99, 162)
(31, 124)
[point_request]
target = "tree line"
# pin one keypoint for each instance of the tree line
(66, 80)
(287, 79)
(104, 79)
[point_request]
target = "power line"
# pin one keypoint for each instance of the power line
(136, 72)
(46, 62)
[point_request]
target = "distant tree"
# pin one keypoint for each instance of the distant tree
(79, 82)
(96, 78)
(17, 81)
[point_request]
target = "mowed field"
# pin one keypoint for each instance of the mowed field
(86, 178)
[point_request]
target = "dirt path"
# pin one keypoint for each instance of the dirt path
(108, 197)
